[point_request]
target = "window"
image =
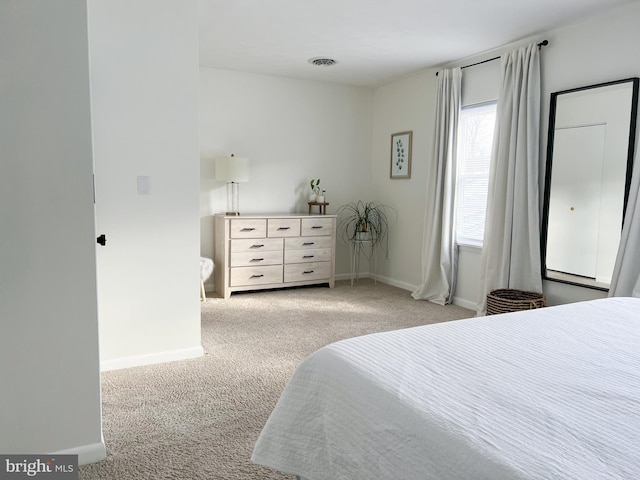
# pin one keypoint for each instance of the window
(475, 138)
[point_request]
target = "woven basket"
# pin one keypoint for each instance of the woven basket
(510, 300)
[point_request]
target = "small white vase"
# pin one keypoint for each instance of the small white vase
(312, 197)
(320, 199)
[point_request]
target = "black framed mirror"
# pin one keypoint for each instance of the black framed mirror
(590, 150)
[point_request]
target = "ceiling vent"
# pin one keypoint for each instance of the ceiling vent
(322, 62)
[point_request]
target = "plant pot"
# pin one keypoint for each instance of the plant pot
(312, 197)
(363, 236)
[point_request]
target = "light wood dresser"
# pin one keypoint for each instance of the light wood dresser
(253, 252)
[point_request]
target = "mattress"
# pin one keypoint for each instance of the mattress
(552, 393)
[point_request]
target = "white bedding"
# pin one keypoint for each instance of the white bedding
(552, 393)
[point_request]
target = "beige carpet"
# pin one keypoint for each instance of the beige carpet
(199, 419)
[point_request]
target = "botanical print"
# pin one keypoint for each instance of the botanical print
(400, 158)
(401, 155)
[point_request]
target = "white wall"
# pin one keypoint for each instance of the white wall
(49, 370)
(595, 50)
(291, 131)
(401, 106)
(144, 74)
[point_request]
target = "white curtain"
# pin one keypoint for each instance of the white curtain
(511, 247)
(626, 273)
(439, 252)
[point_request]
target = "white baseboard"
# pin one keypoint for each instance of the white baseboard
(395, 283)
(151, 358)
(379, 278)
(461, 302)
(347, 276)
(93, 453)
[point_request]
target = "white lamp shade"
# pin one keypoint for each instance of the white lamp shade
(232, 169)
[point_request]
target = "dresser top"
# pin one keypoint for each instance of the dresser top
(275, 215)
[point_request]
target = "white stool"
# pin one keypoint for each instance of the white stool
(206, 269)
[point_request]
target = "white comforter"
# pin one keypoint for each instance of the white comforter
(543, 394)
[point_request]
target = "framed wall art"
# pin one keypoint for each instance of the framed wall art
(401, 154)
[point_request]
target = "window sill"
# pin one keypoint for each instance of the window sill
(465, 247)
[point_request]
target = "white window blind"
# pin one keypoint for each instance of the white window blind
(475, 139)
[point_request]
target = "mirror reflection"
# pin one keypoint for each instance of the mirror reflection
(589, 160)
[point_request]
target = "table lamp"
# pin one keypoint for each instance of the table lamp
(232, 170)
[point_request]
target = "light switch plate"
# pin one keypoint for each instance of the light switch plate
(143, 185)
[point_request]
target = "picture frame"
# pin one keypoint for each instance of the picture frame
(401, 144)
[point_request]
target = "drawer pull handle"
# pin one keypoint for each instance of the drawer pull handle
(317, 226)
(257, 259)
(308, 271)
(248, 229)
(308, 243)
(284, 228)
(257, 276)
(308, 256)
(257, 245)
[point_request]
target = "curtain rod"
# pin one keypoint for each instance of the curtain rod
(543, 43)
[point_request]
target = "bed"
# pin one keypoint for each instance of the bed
(552, 393)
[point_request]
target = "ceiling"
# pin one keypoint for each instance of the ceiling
(373, 41)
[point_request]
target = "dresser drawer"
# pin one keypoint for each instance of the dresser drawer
(283, 227)
(256, 245)
(308, 255)
(316, 226)
(307, 243)
(246, 276)
(250, 259)
(300, 272)
(248, 227)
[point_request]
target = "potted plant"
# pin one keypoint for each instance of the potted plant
(315, 190)
(363, 222)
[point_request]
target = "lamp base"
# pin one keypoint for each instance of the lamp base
(232, 214)
(232, 199)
